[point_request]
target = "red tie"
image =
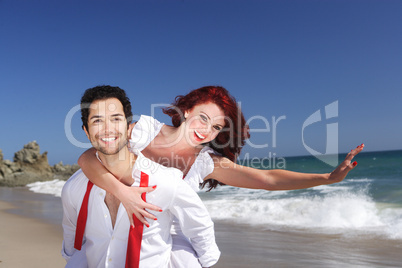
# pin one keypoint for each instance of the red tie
(134, 236)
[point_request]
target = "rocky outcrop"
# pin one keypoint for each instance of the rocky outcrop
(63, 172)
(29, 166)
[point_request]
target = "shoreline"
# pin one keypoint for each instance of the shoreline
(31, 236)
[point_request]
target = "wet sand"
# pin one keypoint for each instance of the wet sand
(28, 242)
(245, 246)
(31, 236)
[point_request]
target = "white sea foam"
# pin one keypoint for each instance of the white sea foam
(337, 211)
(393, 218)
(333, 209)
(47, 187)
(329, 188)
(343, 212)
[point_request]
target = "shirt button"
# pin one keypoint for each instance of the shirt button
(110, 259)
(105, 215)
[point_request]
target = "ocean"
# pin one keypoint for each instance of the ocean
(368, 202)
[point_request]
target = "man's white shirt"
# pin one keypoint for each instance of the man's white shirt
(105, 246)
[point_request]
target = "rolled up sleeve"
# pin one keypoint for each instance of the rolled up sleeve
(70, 197)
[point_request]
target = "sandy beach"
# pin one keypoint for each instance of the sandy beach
(31, 236)
(28, 242)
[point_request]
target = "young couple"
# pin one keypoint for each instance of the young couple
(206, 137)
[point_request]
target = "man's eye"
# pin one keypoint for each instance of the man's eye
(117, 119)
(97, 121)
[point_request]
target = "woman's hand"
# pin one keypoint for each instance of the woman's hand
(343, 169)
(131, 199)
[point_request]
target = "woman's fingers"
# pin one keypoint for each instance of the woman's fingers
(139, 217)
(137, 207)
(147, 205)
(350, 166)
(152, 207)
(349, 157)
(348, 160)
(146, 214)
(357, 150)
(347, 165)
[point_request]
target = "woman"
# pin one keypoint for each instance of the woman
(207, 135)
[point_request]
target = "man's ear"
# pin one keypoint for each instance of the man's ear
(130, 129)
(86, 132)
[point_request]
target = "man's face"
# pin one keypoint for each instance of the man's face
(107, 126)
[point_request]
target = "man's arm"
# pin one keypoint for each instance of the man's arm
(70, 199)
(195, 223)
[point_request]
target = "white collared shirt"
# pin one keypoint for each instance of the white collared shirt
(106, 246)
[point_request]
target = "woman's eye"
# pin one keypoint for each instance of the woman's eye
(204, 118)
(217, 128)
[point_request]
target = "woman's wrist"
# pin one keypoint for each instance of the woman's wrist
(119, 189)
(326, 178)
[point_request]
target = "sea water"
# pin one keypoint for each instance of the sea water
(368, 202)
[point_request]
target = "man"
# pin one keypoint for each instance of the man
(95, 219)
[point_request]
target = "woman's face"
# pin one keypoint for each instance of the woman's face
(203, 123)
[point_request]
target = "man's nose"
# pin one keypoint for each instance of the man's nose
(109, 125)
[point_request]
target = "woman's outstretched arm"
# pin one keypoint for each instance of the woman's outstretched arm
(130, 197)
(277, 179)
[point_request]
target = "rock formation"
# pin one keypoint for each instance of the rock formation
(29, 166)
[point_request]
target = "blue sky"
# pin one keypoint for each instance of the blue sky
(282, 59)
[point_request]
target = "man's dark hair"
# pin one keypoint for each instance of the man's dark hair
(102, 93)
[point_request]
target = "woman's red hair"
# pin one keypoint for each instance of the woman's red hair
(231, 139)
